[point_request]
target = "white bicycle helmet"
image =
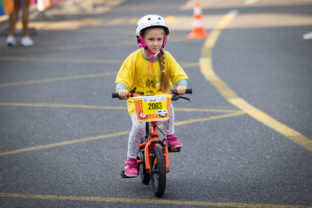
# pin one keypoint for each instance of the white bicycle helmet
(148, 21)
(151, 20)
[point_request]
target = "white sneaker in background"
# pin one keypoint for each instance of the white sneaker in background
(307, 36)
(27, 41)
(11, 41)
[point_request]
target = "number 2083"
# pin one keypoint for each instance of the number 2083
(154, 106)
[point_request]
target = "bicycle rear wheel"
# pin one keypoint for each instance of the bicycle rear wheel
(158, 176)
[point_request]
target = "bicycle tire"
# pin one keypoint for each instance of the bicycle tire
(144, 175)
(158, 176)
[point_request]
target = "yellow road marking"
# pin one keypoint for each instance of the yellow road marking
(45, 105)
(79, 46)
(62, 25)
(116, 21)
(208, 72)
(108, 107)
(70, 47)
(204, 110)
(189, 64)
(107, 31)
(88, 61)
(28, 82)
(148, 201)
(60, 60)
(179, 123)
(75, 141)
(133, 21)
(10, 84)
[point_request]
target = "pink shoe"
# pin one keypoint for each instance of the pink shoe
(173, 142)
(131, 168)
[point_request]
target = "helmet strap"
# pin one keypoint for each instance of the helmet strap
(143, 45)
(165, 41)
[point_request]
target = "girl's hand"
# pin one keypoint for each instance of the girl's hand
(123, 94)
(181, 90)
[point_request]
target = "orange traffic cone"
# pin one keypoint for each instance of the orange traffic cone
(198, 29)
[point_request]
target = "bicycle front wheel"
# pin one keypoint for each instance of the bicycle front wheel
(158, 176)
(144, 175)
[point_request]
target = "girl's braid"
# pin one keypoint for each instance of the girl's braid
(163, 81)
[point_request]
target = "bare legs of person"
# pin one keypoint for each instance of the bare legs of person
(26, 40)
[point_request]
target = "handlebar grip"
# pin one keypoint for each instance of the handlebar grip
(188, 91)
(115, 95)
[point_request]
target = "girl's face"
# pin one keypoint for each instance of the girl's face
(154, 39)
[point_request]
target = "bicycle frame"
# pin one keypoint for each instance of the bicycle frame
(151, 140)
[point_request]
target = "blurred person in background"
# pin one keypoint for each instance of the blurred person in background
(26, 40)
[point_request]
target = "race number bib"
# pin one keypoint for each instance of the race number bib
(152, 108)
(154, 105)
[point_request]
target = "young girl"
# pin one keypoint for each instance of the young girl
(150, 70)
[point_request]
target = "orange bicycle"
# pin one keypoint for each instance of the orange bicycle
(153, 157)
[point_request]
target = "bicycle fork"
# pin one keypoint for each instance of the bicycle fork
(152, 140)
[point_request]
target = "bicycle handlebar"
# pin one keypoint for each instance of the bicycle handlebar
(131, 94)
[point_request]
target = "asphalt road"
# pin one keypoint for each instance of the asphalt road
(64, 140)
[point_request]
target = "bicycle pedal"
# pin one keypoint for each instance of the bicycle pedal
(175, 150)
(123, 174)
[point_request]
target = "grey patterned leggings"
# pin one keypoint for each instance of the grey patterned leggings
(138, 130)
